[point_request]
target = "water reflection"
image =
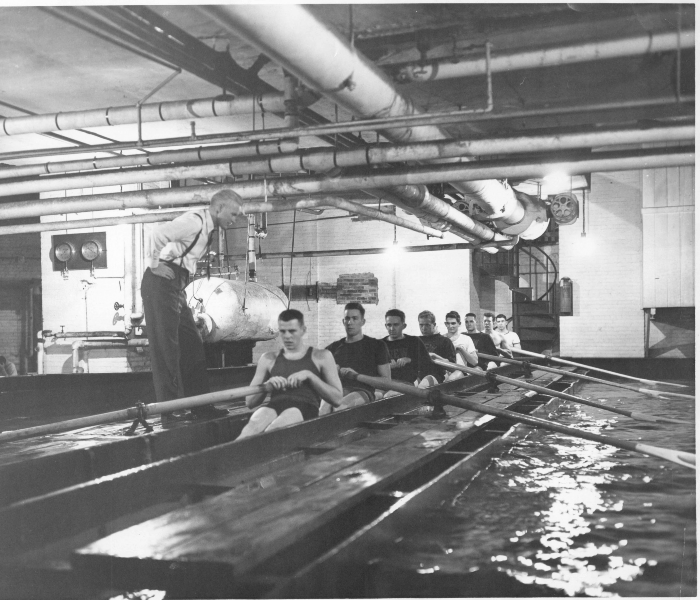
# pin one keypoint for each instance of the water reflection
(567, 515)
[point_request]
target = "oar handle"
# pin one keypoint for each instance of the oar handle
(134, 412)
(682, 458)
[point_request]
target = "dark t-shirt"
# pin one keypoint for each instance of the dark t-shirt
(442, 346)
(411, 347)
(363, 356)
(484, 344)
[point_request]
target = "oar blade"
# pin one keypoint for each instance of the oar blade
(643, 417)
(685, 459)
(665, 395)
(662, 383)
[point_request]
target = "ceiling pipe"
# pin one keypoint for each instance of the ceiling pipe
(187, 155)
(420, 202)
(159, 111)
(329, 65)
(293, 186)
(248, 208)
(449, 68)
(681, 104)
(363, 251)
(324, 159)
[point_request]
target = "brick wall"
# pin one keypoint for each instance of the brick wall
(357, 287)
(606, 270)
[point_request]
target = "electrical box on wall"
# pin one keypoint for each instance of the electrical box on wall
(79, 251)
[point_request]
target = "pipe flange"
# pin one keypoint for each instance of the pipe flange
(533, 224)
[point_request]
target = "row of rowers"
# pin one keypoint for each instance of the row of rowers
(306, 381)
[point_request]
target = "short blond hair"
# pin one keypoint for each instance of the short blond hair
(224, 197)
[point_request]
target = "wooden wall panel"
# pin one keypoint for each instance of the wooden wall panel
(687, 186)
(673, 186)
(668, 261)
(649, 236)
(687, 259)
(673, 266)
(660, 188)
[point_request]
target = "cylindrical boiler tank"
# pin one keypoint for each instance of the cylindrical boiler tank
(231, 311)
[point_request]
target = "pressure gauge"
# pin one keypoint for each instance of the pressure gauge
(63, 252)
(90, 250)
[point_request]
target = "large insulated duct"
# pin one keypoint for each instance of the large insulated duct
(231, 310)
(159, 111)
(439, 214)
(295, 39)
(449, 68)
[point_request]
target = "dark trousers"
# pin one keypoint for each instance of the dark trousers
(177, 354)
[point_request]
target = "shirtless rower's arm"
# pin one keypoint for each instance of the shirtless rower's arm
(329, 388)
(506, 347)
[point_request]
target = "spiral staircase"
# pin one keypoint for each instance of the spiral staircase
(532, 276)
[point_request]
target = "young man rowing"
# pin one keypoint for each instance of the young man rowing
(499, 340)
(358, 353)
(300, 376)
(410, 361)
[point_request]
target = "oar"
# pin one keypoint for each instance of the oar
(654, 393)
(575, 364)
(135, 412)
(562, 395)
(682, 458)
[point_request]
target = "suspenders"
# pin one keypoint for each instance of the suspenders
(192, 244)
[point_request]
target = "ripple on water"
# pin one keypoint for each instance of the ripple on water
(558, 515)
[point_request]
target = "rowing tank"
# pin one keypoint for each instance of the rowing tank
(195, 513)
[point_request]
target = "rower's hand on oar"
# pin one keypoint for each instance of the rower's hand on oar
(435, 356)
(296, 379)
(400, 362)
(345, 371)
(277, 382)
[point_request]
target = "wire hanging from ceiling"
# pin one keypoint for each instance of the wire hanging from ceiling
(291, 260)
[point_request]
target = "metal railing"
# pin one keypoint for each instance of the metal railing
(541, 273)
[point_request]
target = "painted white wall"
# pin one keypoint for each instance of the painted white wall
(437, 281)
(606, 270)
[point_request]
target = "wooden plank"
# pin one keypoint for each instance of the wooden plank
(687, 186)
(673, 186)
(78, 457)
(82, 507)
(673, 260)
(648, 188)
(660, 188)
(648, 263)
(250, 533)
(660, 258)
(87, 505)
(320, 578)
(687, 261)
(165, 536)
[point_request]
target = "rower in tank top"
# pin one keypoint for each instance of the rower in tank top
(298, 376)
